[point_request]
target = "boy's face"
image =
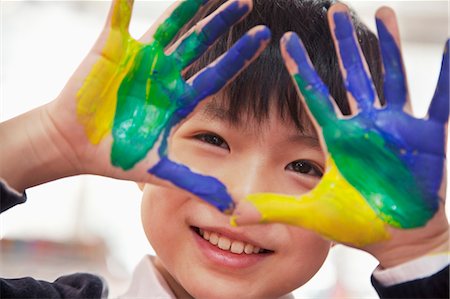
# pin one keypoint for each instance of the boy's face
(249, 157)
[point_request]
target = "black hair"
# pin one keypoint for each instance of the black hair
(266, 80)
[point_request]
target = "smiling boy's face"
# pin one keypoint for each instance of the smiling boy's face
(195, 243)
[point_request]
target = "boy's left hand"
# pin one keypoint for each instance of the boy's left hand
(384, 186)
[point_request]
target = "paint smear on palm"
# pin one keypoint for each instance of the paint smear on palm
(134, 88)
(335, 209)
(136, 92)
(367, 184)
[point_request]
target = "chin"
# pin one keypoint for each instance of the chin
(210, 288)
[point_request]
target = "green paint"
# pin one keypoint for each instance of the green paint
(145, 105)
(320, 107)
(189, 48)
(180, 16)
(367, 163)
(363, 158)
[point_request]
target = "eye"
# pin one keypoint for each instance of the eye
(305, 167)
(212, 139)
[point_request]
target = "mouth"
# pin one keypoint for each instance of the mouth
(223, 243)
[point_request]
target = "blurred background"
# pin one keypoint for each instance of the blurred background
(92, 224)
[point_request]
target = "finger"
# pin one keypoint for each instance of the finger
(203, 35)
(207, 188)
(215, 76)
(360, 90)
(311, 88)
(439, 107)
(120, 14)
(395, 85)
(148, 35)
(340, 218)
(177, 19)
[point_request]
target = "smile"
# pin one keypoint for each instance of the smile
(226, 244)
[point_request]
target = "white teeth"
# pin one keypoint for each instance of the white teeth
(237, 247)
(226, 244)
(214, 239)
(248, 249)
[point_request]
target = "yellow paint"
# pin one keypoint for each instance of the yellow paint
(97, 97)
(334, 209)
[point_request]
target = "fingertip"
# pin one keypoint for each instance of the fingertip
(245, 213)
(340, 21)
(120, 14)
(248, 3)
(293, 52)
(261, 32)
(283, 44)
(386, 16)
(285, 37)
(255, 41)
(384, 12)
(291, 40)
(337, 8)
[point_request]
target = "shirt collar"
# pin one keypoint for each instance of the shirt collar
(147, 282)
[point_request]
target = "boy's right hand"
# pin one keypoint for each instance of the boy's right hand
(125, 98)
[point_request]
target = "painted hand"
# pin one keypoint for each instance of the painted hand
(385, 168)
(134, 94)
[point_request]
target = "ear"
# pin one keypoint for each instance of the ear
(141, 186)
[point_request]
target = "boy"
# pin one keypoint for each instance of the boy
(254, 137)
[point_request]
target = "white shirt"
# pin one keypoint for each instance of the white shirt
(148, 283)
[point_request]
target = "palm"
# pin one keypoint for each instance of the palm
(134, 93)
(384, 167)
(384, 157)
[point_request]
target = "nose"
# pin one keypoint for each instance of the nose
(247, 176)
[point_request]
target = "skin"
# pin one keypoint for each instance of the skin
(250, 150)
(56, 145)
(402, 201)
(106, 122)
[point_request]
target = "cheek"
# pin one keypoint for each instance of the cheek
(162, 217)
(307, 251)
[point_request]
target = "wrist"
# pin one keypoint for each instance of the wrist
(408, 249)
(31, 152)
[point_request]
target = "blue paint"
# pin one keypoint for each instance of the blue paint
(213, 78)
(395, 89)
(357, 81)
(420, 145)
(321, 107)
(415, 146)
(209, 81)
(439, 107)
(205, 187)
(197, 42)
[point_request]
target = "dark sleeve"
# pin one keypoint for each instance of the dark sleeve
(435, 286)
(9, 198)
(80, 285)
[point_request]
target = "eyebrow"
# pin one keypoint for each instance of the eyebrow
(213, 111)
(306, 138)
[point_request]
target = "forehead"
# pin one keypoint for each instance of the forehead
(216, 109)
